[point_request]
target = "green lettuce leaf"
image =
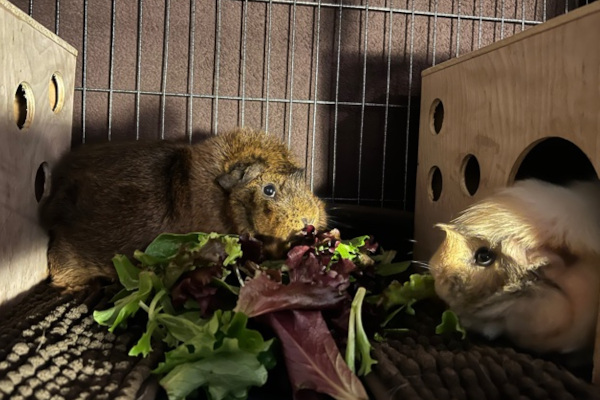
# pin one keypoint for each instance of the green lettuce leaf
(449, 324)
(144, 344)
(232, 248)
(220, 355)
(127, 306)
(391, 269)
(357, 338)
(405, 294)
(226, 375)
(349, 249)
(128, 273)
(167, 245)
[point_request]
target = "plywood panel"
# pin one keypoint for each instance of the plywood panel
(37, 71)
(498, 103)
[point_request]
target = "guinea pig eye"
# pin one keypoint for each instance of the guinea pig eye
(269, 190)
(484, 257)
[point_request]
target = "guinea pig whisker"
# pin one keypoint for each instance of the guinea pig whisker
(535, 273)
(421, 264)
(333, 221)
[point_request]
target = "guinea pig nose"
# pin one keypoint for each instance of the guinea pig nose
(306, 221)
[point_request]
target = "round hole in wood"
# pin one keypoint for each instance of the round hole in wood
(56, 92)
(555, 160)
(435, 183)
(471, 174)
(436, 116)
(24, 106)
(42, 182)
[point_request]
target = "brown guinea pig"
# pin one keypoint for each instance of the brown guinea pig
(525, 263)
(116, 198)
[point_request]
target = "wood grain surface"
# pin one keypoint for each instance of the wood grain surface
(30, 56)
(499, 103)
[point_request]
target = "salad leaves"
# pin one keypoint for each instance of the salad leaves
(199, 292)
(205, 351)
(221, 354)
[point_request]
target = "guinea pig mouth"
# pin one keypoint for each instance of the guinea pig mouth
(274, 247)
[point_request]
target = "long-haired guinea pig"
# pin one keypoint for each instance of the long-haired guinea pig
(525, 263)
(116, 198)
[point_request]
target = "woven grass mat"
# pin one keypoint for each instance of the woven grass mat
(51, 348)
(419, 364)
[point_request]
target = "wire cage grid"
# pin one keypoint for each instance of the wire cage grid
(338, 81)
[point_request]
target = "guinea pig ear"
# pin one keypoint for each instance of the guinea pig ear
(445, 227)
(295, 171)
(240, 174)
(252, 172)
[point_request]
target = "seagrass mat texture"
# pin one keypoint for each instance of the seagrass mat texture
(50, 348)
(420, 364)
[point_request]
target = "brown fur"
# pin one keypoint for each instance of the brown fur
(116, 198)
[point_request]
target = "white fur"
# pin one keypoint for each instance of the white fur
(562, 216)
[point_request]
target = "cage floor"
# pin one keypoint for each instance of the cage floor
(423, 365)
(50, 348)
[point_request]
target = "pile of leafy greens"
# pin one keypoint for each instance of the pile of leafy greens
(199, 291)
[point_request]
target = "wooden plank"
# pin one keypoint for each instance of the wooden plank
(37, 73)
(16, 12)
(501, 102)
(569, 18)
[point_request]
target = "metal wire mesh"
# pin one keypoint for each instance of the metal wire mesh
(338, 80)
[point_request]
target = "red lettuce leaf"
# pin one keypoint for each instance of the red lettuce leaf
(252, 249)
(196, 285)
(307, 267)
(262, 295)
(312, 357)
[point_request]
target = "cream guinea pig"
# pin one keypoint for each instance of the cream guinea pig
(525, 263)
